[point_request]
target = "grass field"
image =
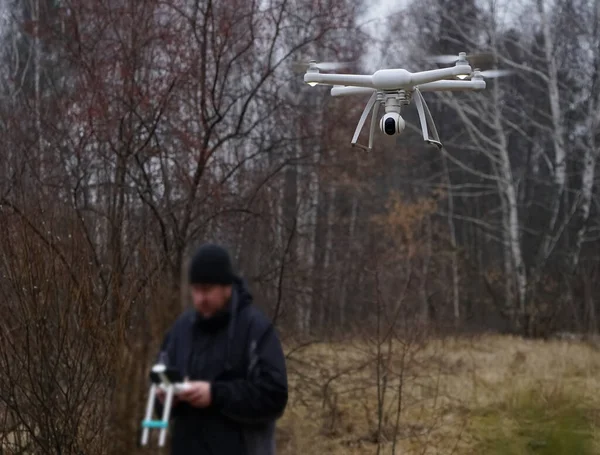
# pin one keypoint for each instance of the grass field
(493, 395)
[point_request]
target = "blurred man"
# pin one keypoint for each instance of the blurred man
(231, 355)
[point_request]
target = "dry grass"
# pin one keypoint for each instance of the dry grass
(455, 394)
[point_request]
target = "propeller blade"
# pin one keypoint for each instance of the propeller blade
(299, 67)
(490, 74)
(330, 66)
(479, 58)
(442, 58)
(302, 66)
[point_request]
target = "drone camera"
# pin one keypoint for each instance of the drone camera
(392, 123)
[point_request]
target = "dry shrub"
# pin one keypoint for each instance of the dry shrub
(57, 346)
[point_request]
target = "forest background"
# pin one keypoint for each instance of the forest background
(132, 131)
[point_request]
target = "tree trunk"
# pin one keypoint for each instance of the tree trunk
(591, 148)
(560, 161)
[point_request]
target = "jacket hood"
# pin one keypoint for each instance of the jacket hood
(241, 297)
(241, 293)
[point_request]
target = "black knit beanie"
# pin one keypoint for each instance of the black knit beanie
(211, 264)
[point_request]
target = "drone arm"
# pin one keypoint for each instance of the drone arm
(423, 77)
(357, 80)
(343, 90)
(452, 85)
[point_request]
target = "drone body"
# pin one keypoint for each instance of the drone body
(394, 88)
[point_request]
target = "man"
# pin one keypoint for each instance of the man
(231, 355)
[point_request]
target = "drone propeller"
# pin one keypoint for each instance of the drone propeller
(478, 57)
(302, 66)
(489, 74)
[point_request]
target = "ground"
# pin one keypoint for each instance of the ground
(491, 394)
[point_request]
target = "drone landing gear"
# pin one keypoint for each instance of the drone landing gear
(426, 119)
(170, 381)
(362, 120)
(393, 102)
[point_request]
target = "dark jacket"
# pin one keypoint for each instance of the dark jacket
(239, 353)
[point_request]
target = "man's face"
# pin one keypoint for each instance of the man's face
(209, 298)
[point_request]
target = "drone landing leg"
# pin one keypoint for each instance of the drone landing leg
(431, 124)
(166, 415)
(148, 417)
(361, 122)
(426, 119)
(373, 125)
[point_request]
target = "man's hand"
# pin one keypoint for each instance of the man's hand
(198, 394)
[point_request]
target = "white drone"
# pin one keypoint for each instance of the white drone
(394, 88)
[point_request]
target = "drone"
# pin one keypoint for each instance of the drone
(395, 88)
(169, 380)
